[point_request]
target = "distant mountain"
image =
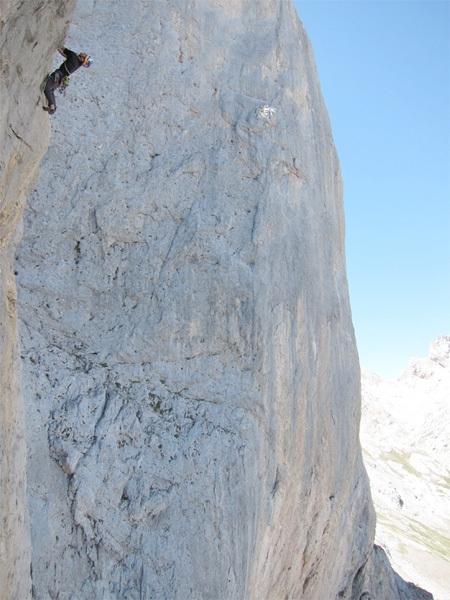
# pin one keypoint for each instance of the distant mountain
(405, 432)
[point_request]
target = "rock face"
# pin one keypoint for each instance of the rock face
(189, 364)
(29, 33)
(405, 432)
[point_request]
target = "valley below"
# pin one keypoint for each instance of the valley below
(404, 435)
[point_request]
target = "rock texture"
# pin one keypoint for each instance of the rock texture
(189, 364)
(405, 432)
(29, 32)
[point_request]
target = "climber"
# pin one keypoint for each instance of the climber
(60, 77)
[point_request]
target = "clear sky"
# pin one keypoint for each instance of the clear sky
(384, 69)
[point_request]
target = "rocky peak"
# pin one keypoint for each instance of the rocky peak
(426, 368)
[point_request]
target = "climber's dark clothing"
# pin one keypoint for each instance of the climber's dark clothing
(69, 66)
(50, 87)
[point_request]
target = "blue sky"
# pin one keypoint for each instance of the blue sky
(384, 70)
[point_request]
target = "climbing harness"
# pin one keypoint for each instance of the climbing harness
(61, 82)
(62, 85)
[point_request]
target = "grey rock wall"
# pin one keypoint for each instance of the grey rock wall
(190, 365)
(29, 32)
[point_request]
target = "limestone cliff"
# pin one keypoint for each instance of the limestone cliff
(189, 365)
(29, 33)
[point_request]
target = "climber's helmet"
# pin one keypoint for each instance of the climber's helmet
(85, 59)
